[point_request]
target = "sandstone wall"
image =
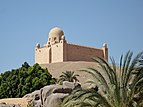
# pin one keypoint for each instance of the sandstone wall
(57, 52)
(42, 55)
(82, 53)
(60, 52)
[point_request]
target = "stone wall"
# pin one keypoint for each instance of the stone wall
(57, 52)
(61, 52)
(42, 55)
(82, 53)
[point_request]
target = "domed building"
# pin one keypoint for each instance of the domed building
(58, 50)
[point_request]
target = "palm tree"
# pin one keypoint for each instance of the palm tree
(68, 76)
(118, 86)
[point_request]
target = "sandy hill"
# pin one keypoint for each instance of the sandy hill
(56, 69)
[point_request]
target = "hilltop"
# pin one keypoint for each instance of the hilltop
(56, 69)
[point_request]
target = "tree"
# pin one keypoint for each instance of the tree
(68, 76)
(24, 80)
(118, 86)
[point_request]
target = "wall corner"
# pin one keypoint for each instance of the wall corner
(105, 51)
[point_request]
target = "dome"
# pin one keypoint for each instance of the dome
(55, 35)
(56, 32)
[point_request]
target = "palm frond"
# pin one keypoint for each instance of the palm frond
(118, 86)
(106, 68)
(100, 78)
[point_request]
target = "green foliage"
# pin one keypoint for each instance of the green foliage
(24, 80)
(68, 76)
(118, 86)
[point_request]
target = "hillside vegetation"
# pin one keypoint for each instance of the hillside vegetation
(24, 80)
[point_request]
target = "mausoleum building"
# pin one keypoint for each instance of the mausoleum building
(57, 49)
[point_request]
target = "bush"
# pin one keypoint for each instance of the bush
(24, 80)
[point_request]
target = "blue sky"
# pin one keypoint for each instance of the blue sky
(23, 23)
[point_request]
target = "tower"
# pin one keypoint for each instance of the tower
(53, 50)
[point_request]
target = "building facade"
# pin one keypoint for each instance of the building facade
(58, 50)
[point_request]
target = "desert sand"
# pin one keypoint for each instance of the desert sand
(21, 101)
